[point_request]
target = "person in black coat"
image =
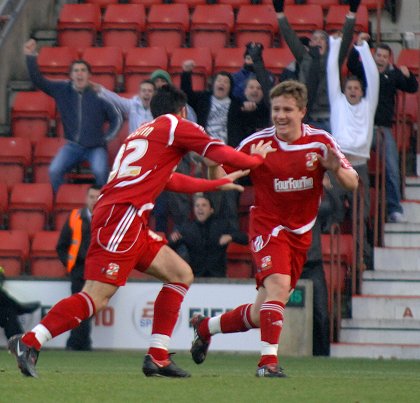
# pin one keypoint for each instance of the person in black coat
(206, 240)
(74, 260)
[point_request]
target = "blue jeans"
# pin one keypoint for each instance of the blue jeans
(72, 154)
(392, 173)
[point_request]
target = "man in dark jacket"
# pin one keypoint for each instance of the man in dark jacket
(72, 247)
(206, 240)
(83, 113)
(391, 79)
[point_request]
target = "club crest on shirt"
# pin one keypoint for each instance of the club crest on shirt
(311, 161)
(266, 263)
(112, 271)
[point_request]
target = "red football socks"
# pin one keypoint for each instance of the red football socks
(166, 312)
(238, 320)
(271, 323)
(68, 313)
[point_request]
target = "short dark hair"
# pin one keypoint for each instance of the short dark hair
(383, 46)
(225, 74)
(167, 99)
(80, 61)
(148, 81)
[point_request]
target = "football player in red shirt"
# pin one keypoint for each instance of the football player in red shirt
(121, 240)
(288, 189)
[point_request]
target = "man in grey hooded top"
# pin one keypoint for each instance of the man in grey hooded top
(312, 61)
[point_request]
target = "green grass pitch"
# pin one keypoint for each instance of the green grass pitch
(115, 376)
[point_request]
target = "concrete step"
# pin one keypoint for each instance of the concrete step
(376, 350)
(412, 192)
(412, 210)
(378, 282)
(403, 331)
(397, 258)
(385, 307)
(403, 235)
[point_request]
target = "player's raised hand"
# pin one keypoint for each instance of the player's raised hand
(29, 48)
(233, 176)
(262, 148)
(331, 161)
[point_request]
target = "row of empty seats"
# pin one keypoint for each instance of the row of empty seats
(210, 25)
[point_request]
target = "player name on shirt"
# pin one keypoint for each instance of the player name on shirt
(292, 184)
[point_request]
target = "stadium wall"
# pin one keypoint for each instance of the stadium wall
(126, 322)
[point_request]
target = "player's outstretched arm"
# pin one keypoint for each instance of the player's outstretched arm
(347, 178)
(188, 184)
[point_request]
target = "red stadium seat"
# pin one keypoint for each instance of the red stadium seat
(146, 3)
(30, 207)
(202, 70)
(411, 59)
(123, 25)
(336, 16)
(239, 261)
(45, 150)
(140, 63)
(192, 4)
(325, 4)
(54, 62)
(43, 258)
(69, 196)
(256, 23)
(167, 25)
(14, 251)
(305, 18)
(78, 25)
(345, 245)
(228, 59)
(373, 4)
(277, 59)
(106, 63)
(408, 106)
(211, 26)
(102, 3)
(15, 158)
(236, 4)
(31, 115)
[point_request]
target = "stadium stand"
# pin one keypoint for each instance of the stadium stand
(106, 63)
(30, 207)
(239, 261)
(336, 15)
(44, 152)
(211, 26)
(78, 25)
(306, 18)
(411, 59)
(15, 158)
(256, 23)
(44, 261)
(167, 25)
(202, 70)
(14, 252)
(140, 63)
(54, 62)
(69, 197)
(123, 25)
(31, 115)
(4, 204)
(228, 59)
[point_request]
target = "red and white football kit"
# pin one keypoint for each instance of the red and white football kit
(288, 189)
(142, 169)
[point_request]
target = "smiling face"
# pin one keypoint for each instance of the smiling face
(287, 117)
(202, 209)
(353, 91)
(221, 86)
(80, 76)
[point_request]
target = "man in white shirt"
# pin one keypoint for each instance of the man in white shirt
(352, 118)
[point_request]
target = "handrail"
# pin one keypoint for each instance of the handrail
(334, 294)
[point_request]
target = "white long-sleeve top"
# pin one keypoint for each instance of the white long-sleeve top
(352, 125)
